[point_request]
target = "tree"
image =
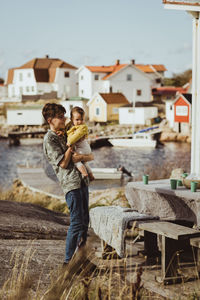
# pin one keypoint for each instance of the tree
(179, 79)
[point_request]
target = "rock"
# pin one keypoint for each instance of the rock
(168, 136)
(157, 199)
(29, 221)
(181, 138)
(32, 245)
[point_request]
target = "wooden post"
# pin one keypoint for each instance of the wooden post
(150, 246)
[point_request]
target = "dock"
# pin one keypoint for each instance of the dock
(37, 181)
(15, 136)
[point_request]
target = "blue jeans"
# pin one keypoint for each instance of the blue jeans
(77, 202)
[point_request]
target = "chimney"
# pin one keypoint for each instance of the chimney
(47, 56)
(117, 62)
(132, 61)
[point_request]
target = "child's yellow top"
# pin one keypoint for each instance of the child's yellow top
(75, 133)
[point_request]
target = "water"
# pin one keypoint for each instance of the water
(158, 163)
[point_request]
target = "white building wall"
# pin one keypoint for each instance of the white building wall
(150, 112)
(85, 83)
(138, 117)
(69, 104)
(169, 112)
(24, 117)
(100, 86)
(140, 81)
(88, 86)
(44, 87)
(126, 115)
(3, 91)
(66, 86)
(23, 83)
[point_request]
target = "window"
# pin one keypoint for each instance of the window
(19, 114)
(111, 89)
(13, 91)
(139, 92)
(20, 76)
(32, 88)
(170, 107)
(28, 74)
(82, 77)
(158, 80)
(82, 92)
(21, 90)
(66, 74)
(97, 111)
(115, 110)
(128, 77)
(70, 107)
(27, 88)
(96, 77)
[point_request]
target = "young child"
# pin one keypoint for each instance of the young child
(76, 136)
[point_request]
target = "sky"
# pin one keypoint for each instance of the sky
(91, 32)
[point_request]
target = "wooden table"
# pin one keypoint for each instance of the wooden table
(172, 236)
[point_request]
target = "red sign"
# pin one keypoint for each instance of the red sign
(181, 111)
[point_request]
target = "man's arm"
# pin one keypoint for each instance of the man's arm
(82, 157)
(66, 158)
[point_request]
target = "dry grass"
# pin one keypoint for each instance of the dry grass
(78, 280)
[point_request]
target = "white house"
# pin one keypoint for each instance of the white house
(76, 101)
(24, 115)
(138, 115)
(134, 81)
(42, 75)
(3, 91)
(169, 112)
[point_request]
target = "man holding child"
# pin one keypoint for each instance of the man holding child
(62, 158)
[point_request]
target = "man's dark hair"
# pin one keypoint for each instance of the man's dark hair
(51, 110)
(78, 110)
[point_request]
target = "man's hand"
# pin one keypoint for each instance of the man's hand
(60, 132)
(82, 157)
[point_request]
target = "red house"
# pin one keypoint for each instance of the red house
(183, 113)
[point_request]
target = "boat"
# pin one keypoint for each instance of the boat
(147, 137)
(107, 173)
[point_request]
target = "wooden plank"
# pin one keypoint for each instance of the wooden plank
(195, 242)
(170, 230)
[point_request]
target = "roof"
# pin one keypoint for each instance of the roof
(44, 69)
(140, 104)
(168, 90)
(182, 2)
(114, 98)
(110, 70)
(22, 107)
(76, 98)
(188, 97)
(151, 68)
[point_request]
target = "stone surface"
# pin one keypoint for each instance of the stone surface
(33, 238)
(29, 221)
(157, 199)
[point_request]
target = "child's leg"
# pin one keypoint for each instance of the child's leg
(89, 171)
(82, 169)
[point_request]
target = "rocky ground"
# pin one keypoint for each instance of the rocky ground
(33, 238)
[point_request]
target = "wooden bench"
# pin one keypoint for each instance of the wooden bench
(172, 236)
(195, 242)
